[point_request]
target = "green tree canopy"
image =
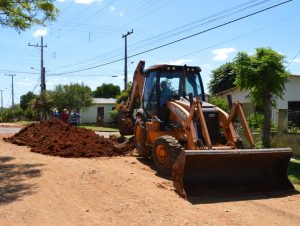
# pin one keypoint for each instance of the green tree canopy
(222, 78)
(107, 91)
(219, 102)
(264, 75)
(22, 14)
(26, 100)
(73, 96)
(122, 98)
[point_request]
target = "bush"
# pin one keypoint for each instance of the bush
(256, 121)
(219, 102)
(114, 115)
(11, 114)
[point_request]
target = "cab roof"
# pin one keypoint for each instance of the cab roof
(167, 67)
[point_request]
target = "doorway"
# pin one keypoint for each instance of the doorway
(100, 116)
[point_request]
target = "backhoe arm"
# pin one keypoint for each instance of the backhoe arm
(126, 124)
(136, 88)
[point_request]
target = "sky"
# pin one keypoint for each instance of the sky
(85, 43)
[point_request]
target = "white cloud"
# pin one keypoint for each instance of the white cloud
(222, 54)
(40, 32)
(112, 8)
(87, 2)
(61, 0)
(296, 61)
(121, 14)
(26, 82)
(207, 67)
(178, 62)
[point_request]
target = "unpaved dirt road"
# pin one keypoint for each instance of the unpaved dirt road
(42, 190)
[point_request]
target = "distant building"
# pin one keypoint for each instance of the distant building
(99, 113)
(287, 110)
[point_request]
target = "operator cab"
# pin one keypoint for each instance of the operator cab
(167, 82)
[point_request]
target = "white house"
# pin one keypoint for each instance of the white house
(100, 111)
(287, 110)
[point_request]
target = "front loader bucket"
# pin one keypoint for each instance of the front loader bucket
(219, 173)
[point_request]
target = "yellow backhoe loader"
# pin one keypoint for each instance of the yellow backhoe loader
(194, 140)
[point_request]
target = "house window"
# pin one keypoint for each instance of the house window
(294, 113)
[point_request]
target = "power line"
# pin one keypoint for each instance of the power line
(293, 59)
(206, 21)
(171, 33)
(187, 27)
(179, 40)
(20, 72)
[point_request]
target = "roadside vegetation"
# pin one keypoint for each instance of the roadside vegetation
(99, 128)
(294, 172)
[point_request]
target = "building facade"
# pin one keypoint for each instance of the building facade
(99, 113)
(287, 110)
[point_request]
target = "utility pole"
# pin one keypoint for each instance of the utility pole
(1, 90)
(43, 80)
(12, 89)
(125, 58)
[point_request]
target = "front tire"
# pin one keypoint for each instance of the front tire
(165, 152)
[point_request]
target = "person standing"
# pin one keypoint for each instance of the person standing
(65, 116)
(75, 118)
(55, 113)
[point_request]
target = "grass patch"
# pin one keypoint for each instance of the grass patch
(100, 129)
(294, 172)
(22, 123)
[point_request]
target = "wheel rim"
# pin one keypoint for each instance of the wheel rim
(161, 154)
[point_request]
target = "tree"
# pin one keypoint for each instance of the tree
(219, 102)
(122, 98)
(107, 91)
(264, 75)
(22, 14)
(41, 106)
(25, 100)
(222, 78)
(73, 96)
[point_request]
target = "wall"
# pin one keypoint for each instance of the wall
(291, 93)
(236, 95)
(90, 115)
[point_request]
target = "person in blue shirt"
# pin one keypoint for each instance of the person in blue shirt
(55, 113)
(74, 119)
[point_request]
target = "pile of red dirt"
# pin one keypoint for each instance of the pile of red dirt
(59, 139)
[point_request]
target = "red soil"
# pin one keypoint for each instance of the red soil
(59, 139)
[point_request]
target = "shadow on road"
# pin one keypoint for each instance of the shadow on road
(242, 197)
(15, 179)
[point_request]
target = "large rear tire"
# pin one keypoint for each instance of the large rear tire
(140, 135)
(165, 152)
